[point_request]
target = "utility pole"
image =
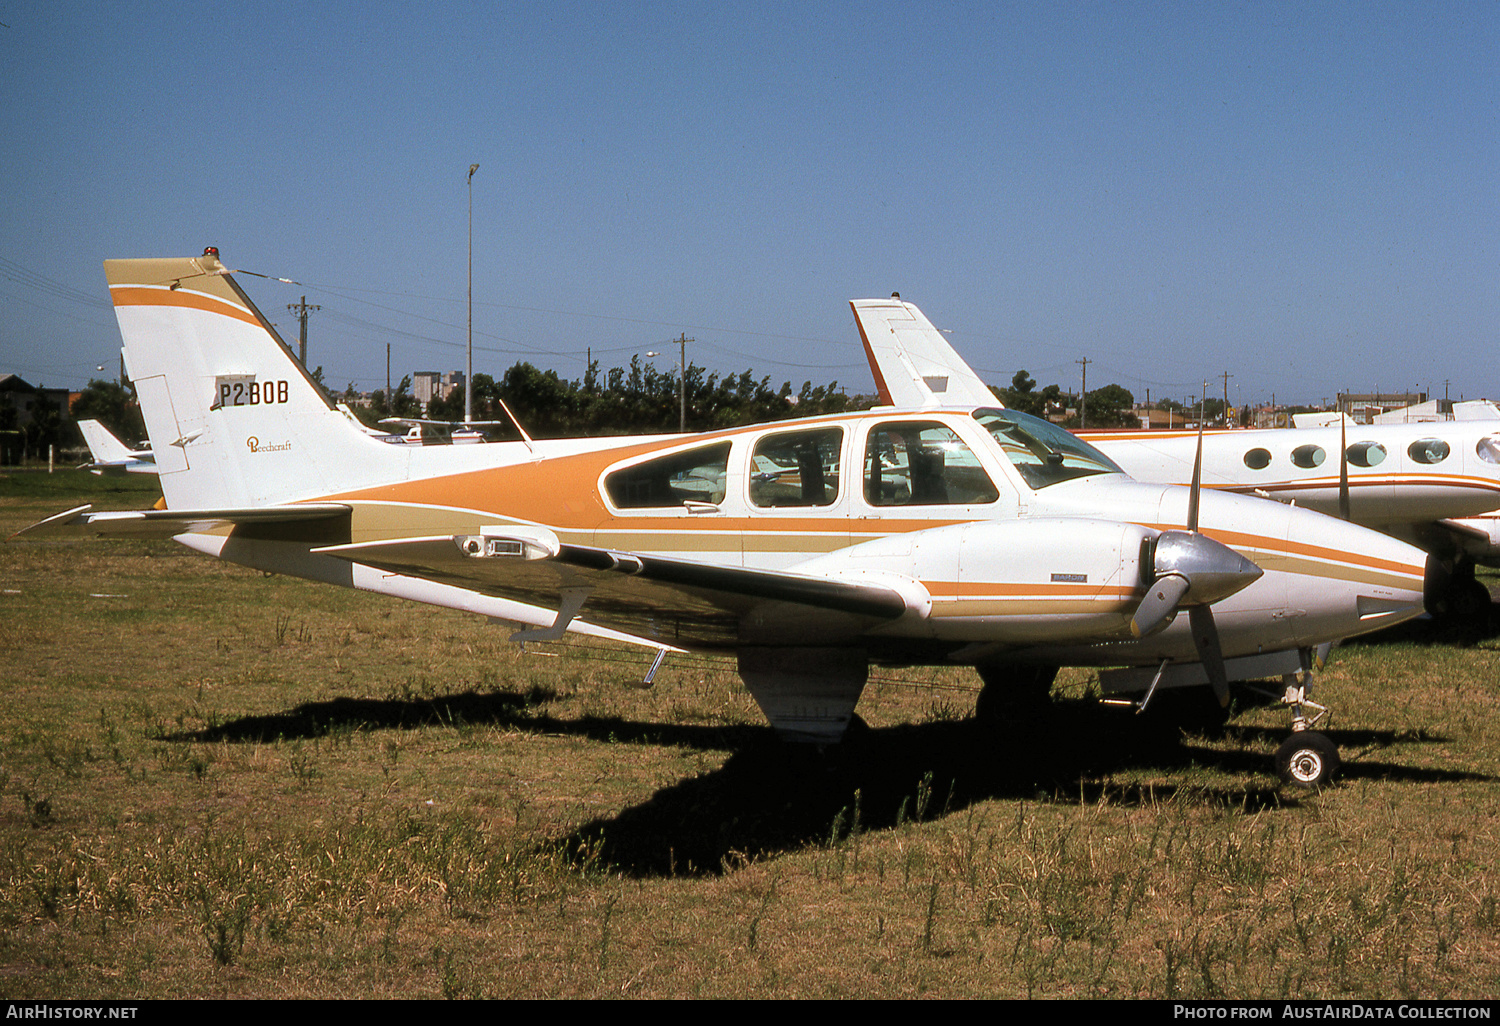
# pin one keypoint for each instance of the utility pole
(469, 364)
(1226, 376)
(301, 309)
(682, 384)
(681, 380)
(1083, 401)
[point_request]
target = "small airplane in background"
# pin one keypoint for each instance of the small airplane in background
(112, 456)
(808, 549)
(1435, 485)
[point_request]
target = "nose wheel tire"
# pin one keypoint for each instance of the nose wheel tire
(1307, 760)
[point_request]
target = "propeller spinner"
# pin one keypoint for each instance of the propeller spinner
(1190, 569)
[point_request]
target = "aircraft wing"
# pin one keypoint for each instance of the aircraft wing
(168, 523)
(914, 366)
(671, 601)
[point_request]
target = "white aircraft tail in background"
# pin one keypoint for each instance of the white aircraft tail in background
(112, 456)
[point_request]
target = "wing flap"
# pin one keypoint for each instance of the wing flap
(168, 523)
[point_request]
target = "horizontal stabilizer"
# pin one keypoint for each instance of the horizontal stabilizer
(168, 523)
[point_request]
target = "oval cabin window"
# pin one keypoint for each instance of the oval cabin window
(1488, 448)
(1366, 454)
(1428, 450)
(1308, 456)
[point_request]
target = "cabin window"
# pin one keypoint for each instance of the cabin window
(1488, 448)
(923, 463)
(1258, 459)
(1308, 456)
(1366, 454)
(696, 475)
(796, 468)
(1428, 450)
(1042, 453)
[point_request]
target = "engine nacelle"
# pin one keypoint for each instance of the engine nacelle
(1055, 579)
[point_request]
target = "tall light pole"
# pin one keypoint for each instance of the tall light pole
(681, 381)
(469, 365)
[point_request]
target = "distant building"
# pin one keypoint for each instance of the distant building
(1363, 408)
(1266, 417)
(18, 398)
(429, 385)
(1418, 413)
(1436, 410)
(426, 386)
(21, 403)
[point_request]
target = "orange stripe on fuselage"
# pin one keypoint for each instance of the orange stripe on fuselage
(562, 493)
(1237, 540)
(1358, 480)
(139, 295)
(992, 588)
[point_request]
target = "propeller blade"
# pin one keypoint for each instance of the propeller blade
(1193, 492)
(1159, 606)
(1343, 467)
(1210, 653)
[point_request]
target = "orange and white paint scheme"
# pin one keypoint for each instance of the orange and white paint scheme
(809, 549)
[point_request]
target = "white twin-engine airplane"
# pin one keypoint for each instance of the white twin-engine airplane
(809, 549)
(1436, 485)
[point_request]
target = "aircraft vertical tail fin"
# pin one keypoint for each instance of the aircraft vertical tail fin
(104, 447)
(914, 366)
(234, 418)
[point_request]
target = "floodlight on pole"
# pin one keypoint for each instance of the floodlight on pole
(681, 380)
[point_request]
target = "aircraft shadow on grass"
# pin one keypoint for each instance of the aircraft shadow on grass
(771, 797)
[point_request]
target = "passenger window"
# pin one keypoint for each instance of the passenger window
(1258, 459)
(1366, 454)
(798, 468)
(1488, 448)
(1428, 450)
(1308, 456)
(923, 464)
(696, 475)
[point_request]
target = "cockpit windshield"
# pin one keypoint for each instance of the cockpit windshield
(1043, 453)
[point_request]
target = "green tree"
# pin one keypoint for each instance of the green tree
(1021, 395)
(1107, 407)
(113, 405)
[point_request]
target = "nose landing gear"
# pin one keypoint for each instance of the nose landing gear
(1307, 759)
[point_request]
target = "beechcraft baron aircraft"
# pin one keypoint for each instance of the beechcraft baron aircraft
(809, 549)
(1436, 485)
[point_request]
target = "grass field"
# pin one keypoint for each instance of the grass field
(216, 783)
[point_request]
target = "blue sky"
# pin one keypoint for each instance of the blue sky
(1305, 196)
